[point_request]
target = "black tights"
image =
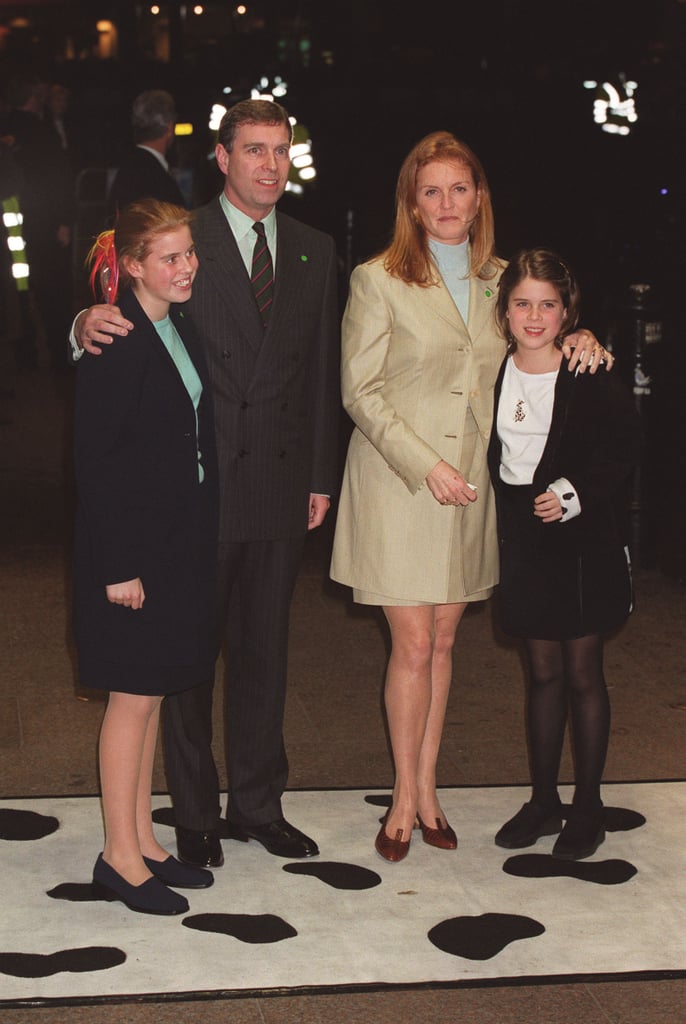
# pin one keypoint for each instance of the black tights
(567, 673)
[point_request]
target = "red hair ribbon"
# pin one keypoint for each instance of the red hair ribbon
(104, 266)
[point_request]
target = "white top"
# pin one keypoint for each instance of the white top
(524, 414)
(525, 411)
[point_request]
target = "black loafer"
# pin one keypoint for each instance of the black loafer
(179, 876)
(278, 837)
(582, 835)
(529, 824)
(151, 897)
(200, 849)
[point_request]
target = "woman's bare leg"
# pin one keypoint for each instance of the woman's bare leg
(446, 620)
(416, 693)
(149, 846)
(123, 738)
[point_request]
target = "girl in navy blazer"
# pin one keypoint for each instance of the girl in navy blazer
(146, 536)
(561, 454)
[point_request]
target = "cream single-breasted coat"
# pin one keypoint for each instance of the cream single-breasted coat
(411, 371)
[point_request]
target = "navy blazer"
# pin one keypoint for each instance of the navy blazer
(142, 511)
(276, 390)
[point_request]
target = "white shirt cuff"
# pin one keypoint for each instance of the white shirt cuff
(566, 494)
(76, 351)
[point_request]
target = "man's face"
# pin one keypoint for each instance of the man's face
(256, 170)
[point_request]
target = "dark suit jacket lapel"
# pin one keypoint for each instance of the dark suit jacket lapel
(131, 308)
(220, 259)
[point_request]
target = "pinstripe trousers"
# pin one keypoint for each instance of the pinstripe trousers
(256, 581)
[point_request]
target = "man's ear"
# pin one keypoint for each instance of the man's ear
(222, 158)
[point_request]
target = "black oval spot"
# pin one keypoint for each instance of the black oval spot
(254, 928)
(336, 874)
(541, 865)
(480, 938)
(44, 965)
(24, 826)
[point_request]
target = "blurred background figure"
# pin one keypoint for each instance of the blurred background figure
(144, 173)
(46, 198)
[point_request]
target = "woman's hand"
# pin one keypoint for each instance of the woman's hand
(448, 486)
(584, 349)
(130, 594)
(547, 507)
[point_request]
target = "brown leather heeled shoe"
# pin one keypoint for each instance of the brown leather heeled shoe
(440, 837)
(392, 850)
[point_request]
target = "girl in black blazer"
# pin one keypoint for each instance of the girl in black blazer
(146, 536)
(562, 450)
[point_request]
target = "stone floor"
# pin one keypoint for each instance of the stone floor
(334, 726)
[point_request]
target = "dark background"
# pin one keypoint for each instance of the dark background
(369, 79)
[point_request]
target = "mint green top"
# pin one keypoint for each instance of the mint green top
(188, 373)
(453, 264)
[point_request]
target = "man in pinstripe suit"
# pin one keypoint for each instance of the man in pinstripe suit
(276, 397)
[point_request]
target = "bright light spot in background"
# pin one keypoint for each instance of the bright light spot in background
(198, 9)
(154, 9)
(241, 9)
(614, 107)
(216, 115)
(302, 164)
(183, 128)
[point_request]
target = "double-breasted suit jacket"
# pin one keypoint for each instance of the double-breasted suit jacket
(143, 512)
(277, 409)
(411, 371)
(276, 390)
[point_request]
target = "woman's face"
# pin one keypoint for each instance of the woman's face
(166, 274)
(535, 314)
(447, 200)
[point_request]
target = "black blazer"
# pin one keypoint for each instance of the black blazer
(141, 509)
(594, 441)
(141, 176)
(276, 390)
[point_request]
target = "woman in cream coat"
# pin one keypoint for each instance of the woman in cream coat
(416, 530)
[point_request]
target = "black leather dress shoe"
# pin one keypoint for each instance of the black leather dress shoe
(278, 837)
(201, 849)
